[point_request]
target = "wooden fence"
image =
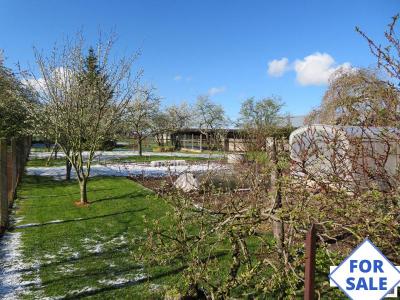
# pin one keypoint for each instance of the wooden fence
(13, 156)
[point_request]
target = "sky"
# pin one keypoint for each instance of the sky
(229, 50)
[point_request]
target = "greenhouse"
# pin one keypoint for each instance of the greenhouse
(352, 153)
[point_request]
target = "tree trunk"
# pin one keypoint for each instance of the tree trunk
(68, 166)
(140, 146)
(276, 174)
(82, 185)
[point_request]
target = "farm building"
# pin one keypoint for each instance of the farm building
(226, 139)
(194, 139)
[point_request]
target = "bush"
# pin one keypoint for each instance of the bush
(108, 145)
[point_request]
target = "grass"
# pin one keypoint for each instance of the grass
(42, 162)
(92, 252)
(93, 247)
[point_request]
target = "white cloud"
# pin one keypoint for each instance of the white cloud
(59, 74)
(315, 69)
(181, 78)
(36, 84)
(216, 90)
(278, 67)
(177, 77)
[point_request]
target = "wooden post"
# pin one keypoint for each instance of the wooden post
(309, 274)
(3, 185)
(201, 142)
(192, 141)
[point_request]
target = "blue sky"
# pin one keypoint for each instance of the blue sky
(218, 47)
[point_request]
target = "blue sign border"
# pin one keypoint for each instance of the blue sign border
(365, 241)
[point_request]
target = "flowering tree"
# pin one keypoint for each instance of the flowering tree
(141, 115)
(83, 94)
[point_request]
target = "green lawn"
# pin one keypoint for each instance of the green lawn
(41, 162)
(89, 251)
(94, 252)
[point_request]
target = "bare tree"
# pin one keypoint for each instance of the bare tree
(170, 120)
(83, 108)
(160, 127)
(141, 114)
(259, 120)
(388, 56)
(179, 117)
(211, 120)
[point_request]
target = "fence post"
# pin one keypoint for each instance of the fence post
(3, 185)
(309, 274)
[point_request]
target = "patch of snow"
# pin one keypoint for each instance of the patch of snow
(26, 225)
(38, 224)
(86, 289)
(49, 256)
(155, 287)
(163, 163)
(118, 241)
(117, 281)
(97, 249)
(92, 246)
(66, 269)
(122, 280)
(12, 267)
(54, 221)
(131, 169)
(108, 155)
(64, 250)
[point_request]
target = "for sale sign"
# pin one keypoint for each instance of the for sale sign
(366, 274)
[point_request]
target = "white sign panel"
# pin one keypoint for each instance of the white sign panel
(366, 274)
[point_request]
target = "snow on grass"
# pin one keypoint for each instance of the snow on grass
(86, 289)
(117, 281)
(12, 268)
(128, 169)
(26, 225)
(45, 223)
(66, 269)
(124, 280)
(92, 245)
(64, 251)
(96, 249)
(118, 241)
(96, 246)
